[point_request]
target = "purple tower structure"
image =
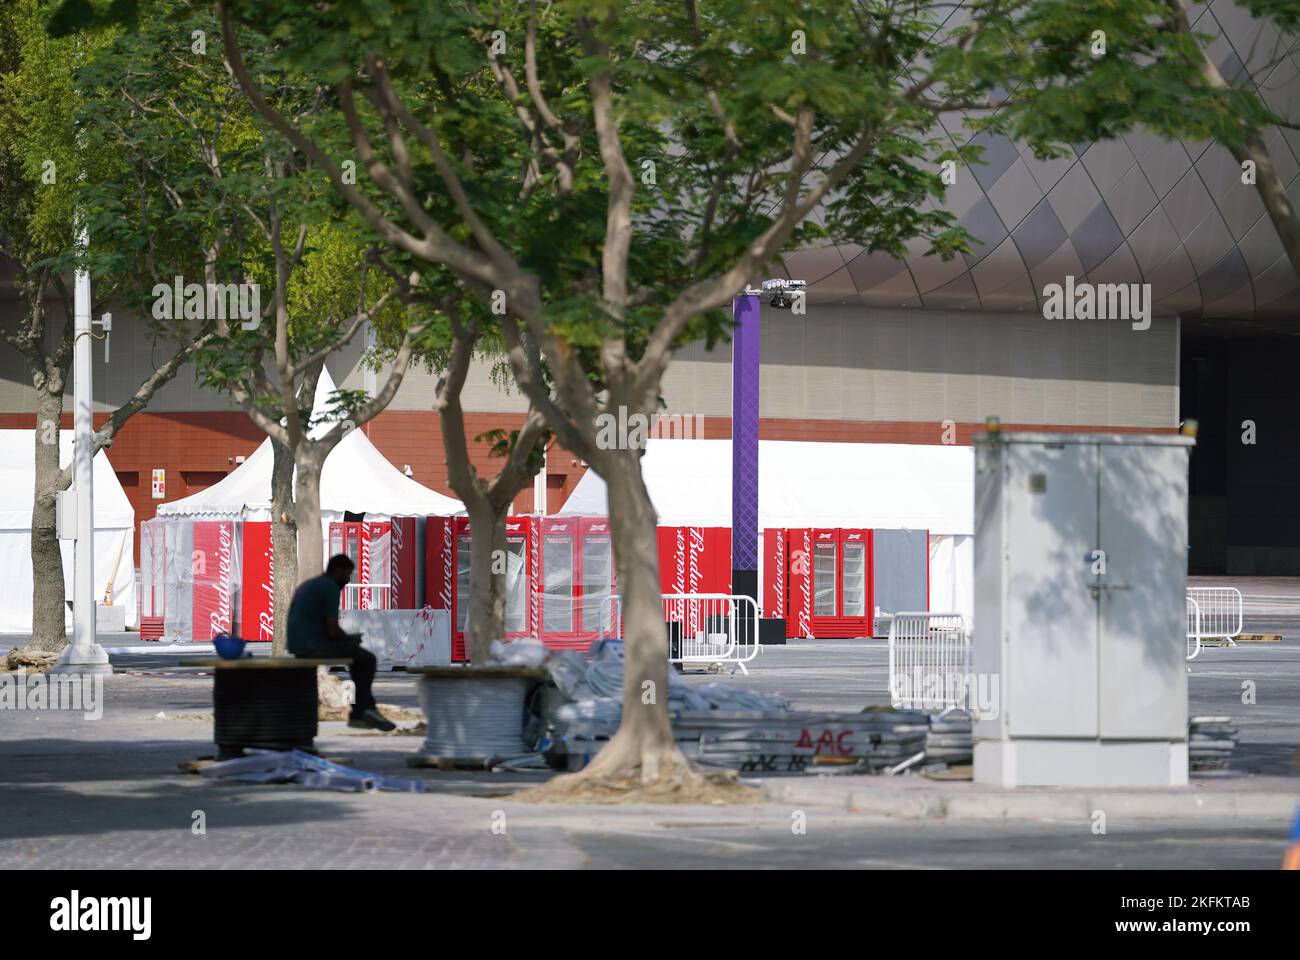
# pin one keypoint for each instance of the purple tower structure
(745, 373)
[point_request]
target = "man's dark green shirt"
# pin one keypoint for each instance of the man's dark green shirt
(313, 602)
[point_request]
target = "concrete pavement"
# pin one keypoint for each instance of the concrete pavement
(107, 793)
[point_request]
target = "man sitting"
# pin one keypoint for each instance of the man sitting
(314, 631)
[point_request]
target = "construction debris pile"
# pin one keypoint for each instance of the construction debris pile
(720, 724)
(1210, 742)
(304, 769)
(950, 742)
(803, 740)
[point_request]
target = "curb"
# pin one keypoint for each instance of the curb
(924, 804)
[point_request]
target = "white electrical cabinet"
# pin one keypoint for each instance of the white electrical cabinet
(1080, 620)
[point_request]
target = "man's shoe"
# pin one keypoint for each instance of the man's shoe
(371, 719)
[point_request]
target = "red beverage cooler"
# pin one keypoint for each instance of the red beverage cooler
(257, 596)
(368, 544)
(216, 578)
(775, 571)
(518, 534)
(558, 579)
(693, 560)
(440, 574)
(597, 581)
(447, 575)
(521, 568)
(407, 568)
(827, 575)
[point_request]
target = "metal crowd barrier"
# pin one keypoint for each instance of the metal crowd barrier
(367, 596)
(703, 628)
(1220, 609)
(929, 661)
(1194, 627)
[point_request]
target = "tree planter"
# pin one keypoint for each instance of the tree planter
(474, 714)
(264, 702)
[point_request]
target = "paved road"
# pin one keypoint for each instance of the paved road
(137, 824)
(107, 793)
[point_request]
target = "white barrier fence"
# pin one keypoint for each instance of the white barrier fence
(367, 596)
(1220, 611)
(1194, 626)
(929, 661)
(703, 628)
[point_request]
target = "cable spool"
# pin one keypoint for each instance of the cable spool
(270, 709)
(474, 715)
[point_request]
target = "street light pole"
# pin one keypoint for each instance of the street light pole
(84, 655)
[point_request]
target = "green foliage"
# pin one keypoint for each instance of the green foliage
(874, 73)
(701, 197)
(38, 138)
(195, 183)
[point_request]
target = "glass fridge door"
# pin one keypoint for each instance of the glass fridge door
(557, 600)
(462, 582)
(824, 580)
(516, 586)
(597, 580)
(855, 579)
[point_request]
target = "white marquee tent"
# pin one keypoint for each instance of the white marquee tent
(356, 477)
(890, 486)
(114, 528)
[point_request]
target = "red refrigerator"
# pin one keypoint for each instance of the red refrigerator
(257, 597)
(447, 543)
(693, 560)
(557, 580)
(828, 581)
(368, 544)
(407, 567)
(215, 566)
(597, 612)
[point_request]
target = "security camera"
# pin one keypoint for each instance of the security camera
(779, 287)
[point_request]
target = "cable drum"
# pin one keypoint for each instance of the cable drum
(475, 716)
(270, 709)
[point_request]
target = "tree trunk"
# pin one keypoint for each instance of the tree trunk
(644, 743)
(1272, 191)
(284, 544)
(306, 511)
(487, 557)
(48, 604)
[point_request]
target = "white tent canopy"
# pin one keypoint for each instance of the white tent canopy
(888, 486)
(356, 477)
(893, 486)
(114, 528)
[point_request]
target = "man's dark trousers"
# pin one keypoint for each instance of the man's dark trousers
(363, 669)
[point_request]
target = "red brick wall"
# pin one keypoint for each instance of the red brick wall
(197, 446)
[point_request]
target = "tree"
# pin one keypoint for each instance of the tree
(42, 208)
(487, 500)
(207, 193)
(607, 177)
(1243, 130)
